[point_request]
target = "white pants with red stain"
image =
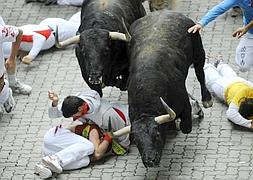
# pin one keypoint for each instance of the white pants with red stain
(72, 150)
(244, 53)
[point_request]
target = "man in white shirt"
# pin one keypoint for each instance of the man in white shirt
(8, 34)
(13, 36)
(37, 37)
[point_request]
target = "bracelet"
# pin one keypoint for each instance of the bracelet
(107, 138)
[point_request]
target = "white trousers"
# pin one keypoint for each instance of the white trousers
(70, 2)
(244, 52)
(218, 79)
(72, 150)
(4, 94)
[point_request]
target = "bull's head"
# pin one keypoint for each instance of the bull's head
(148, 136)
(95, 47)
(149, 140)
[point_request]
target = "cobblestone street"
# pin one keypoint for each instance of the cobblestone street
(215, 149)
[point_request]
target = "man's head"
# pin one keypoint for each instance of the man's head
(74, 106)
(246, 108)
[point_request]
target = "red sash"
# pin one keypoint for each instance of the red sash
(29, 38)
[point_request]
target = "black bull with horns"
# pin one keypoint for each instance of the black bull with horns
(161, 51)
(101, 50)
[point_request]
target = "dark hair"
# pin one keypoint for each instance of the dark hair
(70, 105)
(246, 108)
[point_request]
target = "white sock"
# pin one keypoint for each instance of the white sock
(12, 79)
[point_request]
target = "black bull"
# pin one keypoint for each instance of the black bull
(161, 51)
(104, 61)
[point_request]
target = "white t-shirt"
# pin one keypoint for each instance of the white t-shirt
(7, 34)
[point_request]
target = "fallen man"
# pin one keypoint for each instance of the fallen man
(75, 147)
(37, 37)
(235, 91)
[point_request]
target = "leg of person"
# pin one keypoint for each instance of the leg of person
(244, 53)
(17, 86)
(214, 81)
(64, 148)
(42, 171)
(226, 71)
(6, 98)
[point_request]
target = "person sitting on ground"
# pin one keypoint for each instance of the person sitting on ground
(64, 148)
(10, 35)
(75, 147)
(37, 37)
(88, 105)
(59, 2)
(244, 51)
(232, 89)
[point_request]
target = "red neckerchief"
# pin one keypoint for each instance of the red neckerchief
(85, 109)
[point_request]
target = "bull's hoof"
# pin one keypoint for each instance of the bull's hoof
(207, 104)
(201, 115)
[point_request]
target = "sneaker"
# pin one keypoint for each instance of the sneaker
(21, 88)
(52, 163)
(42, 171)
(217, 62)
(9, 104)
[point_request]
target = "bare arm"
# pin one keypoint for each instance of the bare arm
(234, 116)
(11, 61)
(242, 30)
(100, 147)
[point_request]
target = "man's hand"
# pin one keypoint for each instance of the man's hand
(53, 97)
(27, 59)
(239, 32)
(195, 28)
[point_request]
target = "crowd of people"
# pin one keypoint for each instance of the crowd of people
(89, 138)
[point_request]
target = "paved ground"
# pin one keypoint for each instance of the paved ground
(216, 149)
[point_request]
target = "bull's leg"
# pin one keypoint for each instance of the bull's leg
(206, 95)
(186, 119)
(199, 61)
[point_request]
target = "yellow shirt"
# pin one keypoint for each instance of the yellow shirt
(237, 92)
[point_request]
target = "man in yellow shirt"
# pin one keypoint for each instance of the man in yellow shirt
(232, 89)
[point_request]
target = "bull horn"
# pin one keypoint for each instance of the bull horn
(122, 131)
(128, 36)
(163, 119)
(72, 40)
(168, 109)
(117, 36)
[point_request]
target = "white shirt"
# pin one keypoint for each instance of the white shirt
(7, 34)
